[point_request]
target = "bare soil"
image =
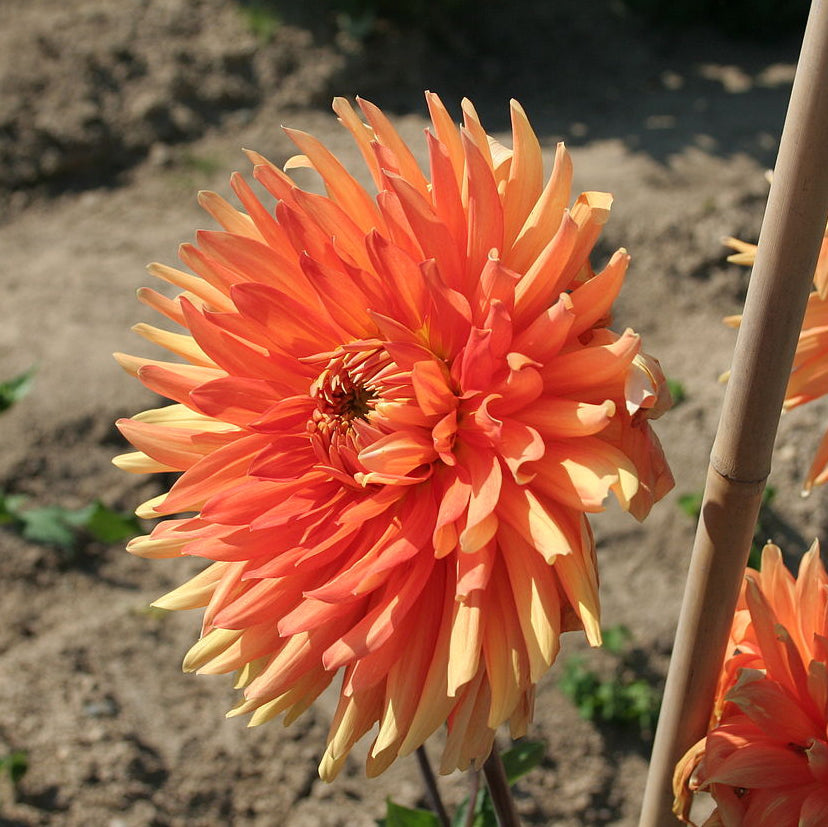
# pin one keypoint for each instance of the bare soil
(112, 116)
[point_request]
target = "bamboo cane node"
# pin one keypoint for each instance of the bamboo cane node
(730, 475)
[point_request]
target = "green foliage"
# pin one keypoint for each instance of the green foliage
(398, 816)
(15, 765)
(263, 18)
(54, 525)
(622, 698)
(205, 165)
(676, 391)
(14, 389)
(523, 757)
(690, 504)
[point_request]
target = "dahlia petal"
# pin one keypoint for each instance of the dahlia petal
(485, 476)
(274, 180)
(591, 302)
(579, 581)
(212, 473)
(207, 647)
(205, 292)
(547, 276)
(398, 454)
(567, 418)
(593, 367)
(818, 472)
(293, 326)
(235, 399)
(761, 765)
(547, 212)
(546, 335)
(525, 182)
(388, 137)
(268, 228)
(475, 133)
(161, 304)
(362, 135)
(474, 569)
(446, 180)
(581, 472)
(519, 444)
(538, 521)
(407, 288)
(485, 213)
(431, 233)
(379, 623)
(767, 808)
(814, 810)
(181, 345)
(466, 640)
(434, 395)
(411, 668)
(341, 186)
(137, 462)
(771, 708)
(461, 721)
(228, 216)
(504, 652)
(178, 448)
(536, 600)
(354, 716)
(447, 134)
(347, 304)
(521, 386)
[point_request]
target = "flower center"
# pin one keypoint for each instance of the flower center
(348, 387)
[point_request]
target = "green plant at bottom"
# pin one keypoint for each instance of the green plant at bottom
(620, 698)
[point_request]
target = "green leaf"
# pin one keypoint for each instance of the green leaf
(676, 391)
(104, 524)
(616, 638)
(47, 525)
(15, 764)
(13, 390)
(484, 812)
(690, 504)
(399, 816)
(521, 758)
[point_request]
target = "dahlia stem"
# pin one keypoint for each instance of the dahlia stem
(431, 786)
(740, 460)
(474, 791)
(498, 784)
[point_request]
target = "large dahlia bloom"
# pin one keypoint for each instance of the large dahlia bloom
(392, 417)
(765, 757)
(809, 373)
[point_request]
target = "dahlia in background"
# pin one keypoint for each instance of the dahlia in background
(393, 416)
(765, 757)
(809, 374)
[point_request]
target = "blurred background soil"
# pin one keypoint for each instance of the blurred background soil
(112, 116)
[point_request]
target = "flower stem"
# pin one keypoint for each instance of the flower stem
(431, 787)
(499, 790)
(473, 793)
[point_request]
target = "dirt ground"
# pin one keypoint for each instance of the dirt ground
(112, 116)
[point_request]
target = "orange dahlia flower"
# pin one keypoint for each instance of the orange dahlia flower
(765, 758)
(809, 373)
(392, 418)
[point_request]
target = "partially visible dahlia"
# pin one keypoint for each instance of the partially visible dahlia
(809, 374)
(765, 758)
(393, 416)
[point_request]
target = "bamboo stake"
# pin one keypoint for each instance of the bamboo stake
(740, 460)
